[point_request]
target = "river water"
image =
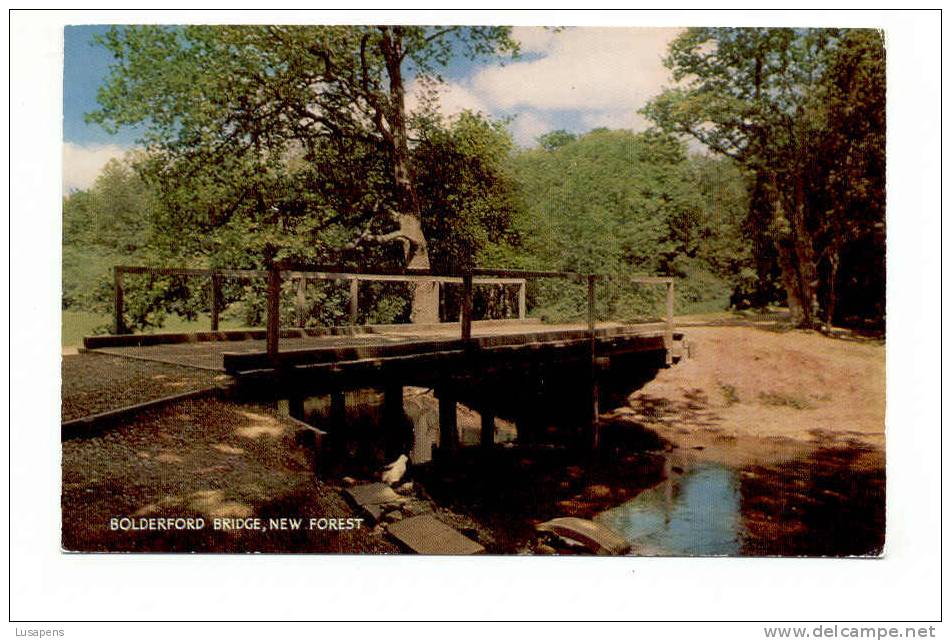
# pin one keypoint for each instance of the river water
(727, 497)
(696, 514)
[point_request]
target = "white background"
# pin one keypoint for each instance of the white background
(52, 586)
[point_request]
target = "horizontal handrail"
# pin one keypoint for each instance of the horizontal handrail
(302, 272)
(408, 276)
(339, 272)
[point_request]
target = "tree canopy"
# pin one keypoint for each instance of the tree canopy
(790, 105)
(616, 202)
(259, 131)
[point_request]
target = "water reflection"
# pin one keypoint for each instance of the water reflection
(718, 496)
(697, 513)
(829, 502)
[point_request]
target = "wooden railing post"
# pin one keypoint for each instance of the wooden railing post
(591, 307)
(669, 326)
(119, 325)
(354, 300)
(467, 306)
(521, 300)
(215, 300)
(273, 312)
(300, 303)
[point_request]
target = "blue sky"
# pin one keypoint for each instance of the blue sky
(577, 79)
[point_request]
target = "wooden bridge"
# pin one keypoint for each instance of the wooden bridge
(465, 360)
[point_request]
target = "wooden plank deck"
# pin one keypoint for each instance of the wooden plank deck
(381, 342)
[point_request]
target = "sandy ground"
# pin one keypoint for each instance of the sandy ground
(757, 381)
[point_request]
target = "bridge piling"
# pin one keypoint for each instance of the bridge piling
(448, 427)
(394, 420)
(487, 434)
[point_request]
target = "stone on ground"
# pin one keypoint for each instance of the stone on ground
(374, 498)
(427, 535)
(594, 536)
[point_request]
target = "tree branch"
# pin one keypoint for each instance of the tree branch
(369, 94)
(380, 239)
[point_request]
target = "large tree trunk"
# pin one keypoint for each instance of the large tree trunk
(796, 255)
(425, 305)
(834, 254)
(806, 258)
(791, 283)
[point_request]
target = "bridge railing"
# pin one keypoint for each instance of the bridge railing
(302, 274)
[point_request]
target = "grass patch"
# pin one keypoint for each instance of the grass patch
(730, 394)
(777, 399)
(76, 324)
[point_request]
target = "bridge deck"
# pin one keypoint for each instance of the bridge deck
(376, 342)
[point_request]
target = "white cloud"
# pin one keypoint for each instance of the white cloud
(587, 76)
(451, 98)
(528, 126)
(615, 119)
(82, 163)
(598, 69)
(533, 39)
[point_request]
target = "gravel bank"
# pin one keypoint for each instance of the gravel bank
(94, 383)
(208, 459)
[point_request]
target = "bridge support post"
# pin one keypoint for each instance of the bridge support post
(448, 428)
(487, 435)
(395, 439)
(594, 421)
(295, 405)
(521, 301)
(466, 306)
(338, 411)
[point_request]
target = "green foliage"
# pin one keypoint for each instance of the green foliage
(555, 139)
(614, 202)
(847, 134)
(467, 187)
(280, 135)
(101, 226)
(265, 143)
(269, 143)
(803, 111)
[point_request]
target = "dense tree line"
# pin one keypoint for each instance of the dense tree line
(626, 204)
